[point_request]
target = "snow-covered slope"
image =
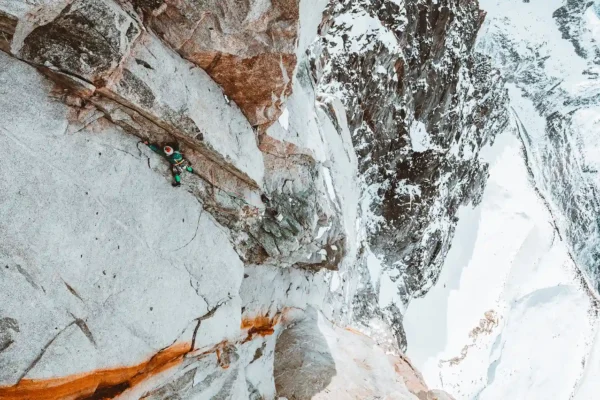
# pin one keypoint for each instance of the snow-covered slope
(510, 317)
(515, 312)
(549, 51)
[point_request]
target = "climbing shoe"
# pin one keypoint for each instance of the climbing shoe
(177, 180)
(189, 169)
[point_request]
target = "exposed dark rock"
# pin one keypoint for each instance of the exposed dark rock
(85, 40)
(568, 18)
(8, 327)
(386, 88)
(8, 23)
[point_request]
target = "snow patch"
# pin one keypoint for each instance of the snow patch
(284, 119)
(374, 266)
(363, 34)
(419, 137)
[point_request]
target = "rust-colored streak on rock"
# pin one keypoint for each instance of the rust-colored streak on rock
(258, 85)
(248, 47)
(262, 325)
(96, 385)
(356, 332)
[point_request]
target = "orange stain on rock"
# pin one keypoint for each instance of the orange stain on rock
(262, 325)
(96, 385)
(355, 331)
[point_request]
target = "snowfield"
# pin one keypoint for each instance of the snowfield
(509, 314)
(514, 314)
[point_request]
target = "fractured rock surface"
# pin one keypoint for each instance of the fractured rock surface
(248, 47)
(309, 163)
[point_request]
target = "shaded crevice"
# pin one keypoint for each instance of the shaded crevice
(193, 345)
(195, 233)
(27, 276)
(171, 131)
(206, 316)
(73, 291)
(84, 329)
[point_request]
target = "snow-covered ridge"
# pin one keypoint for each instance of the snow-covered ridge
(550, 53)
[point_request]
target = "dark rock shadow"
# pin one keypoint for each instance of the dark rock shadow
(303, 364)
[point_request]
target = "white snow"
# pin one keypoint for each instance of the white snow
(509, 275)
(374, 266)
(532, 26)
(419, 137)
(311, 15)
(284, 119)
(586, 124)
(329, 183)
(363, 32)
(388, 292)
(511, 316)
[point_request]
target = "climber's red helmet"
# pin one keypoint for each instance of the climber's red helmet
(168, 150)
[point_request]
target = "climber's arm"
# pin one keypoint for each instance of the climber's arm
(154, 148)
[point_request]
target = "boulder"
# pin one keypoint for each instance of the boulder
(87, 39)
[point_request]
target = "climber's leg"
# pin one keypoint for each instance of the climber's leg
(176, 169)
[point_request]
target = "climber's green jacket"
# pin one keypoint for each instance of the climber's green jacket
(176, 158)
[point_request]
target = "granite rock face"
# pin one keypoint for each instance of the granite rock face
(248, 47)
(328, 163)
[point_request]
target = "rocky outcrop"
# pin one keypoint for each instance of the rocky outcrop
(315, 359)
(143, 86)
(248, 47)
(391, 94)
(87, 39)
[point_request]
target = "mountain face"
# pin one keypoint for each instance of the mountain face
(331, 145)
(420, 107)
(553, 72)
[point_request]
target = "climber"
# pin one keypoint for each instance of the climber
(173, 155)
